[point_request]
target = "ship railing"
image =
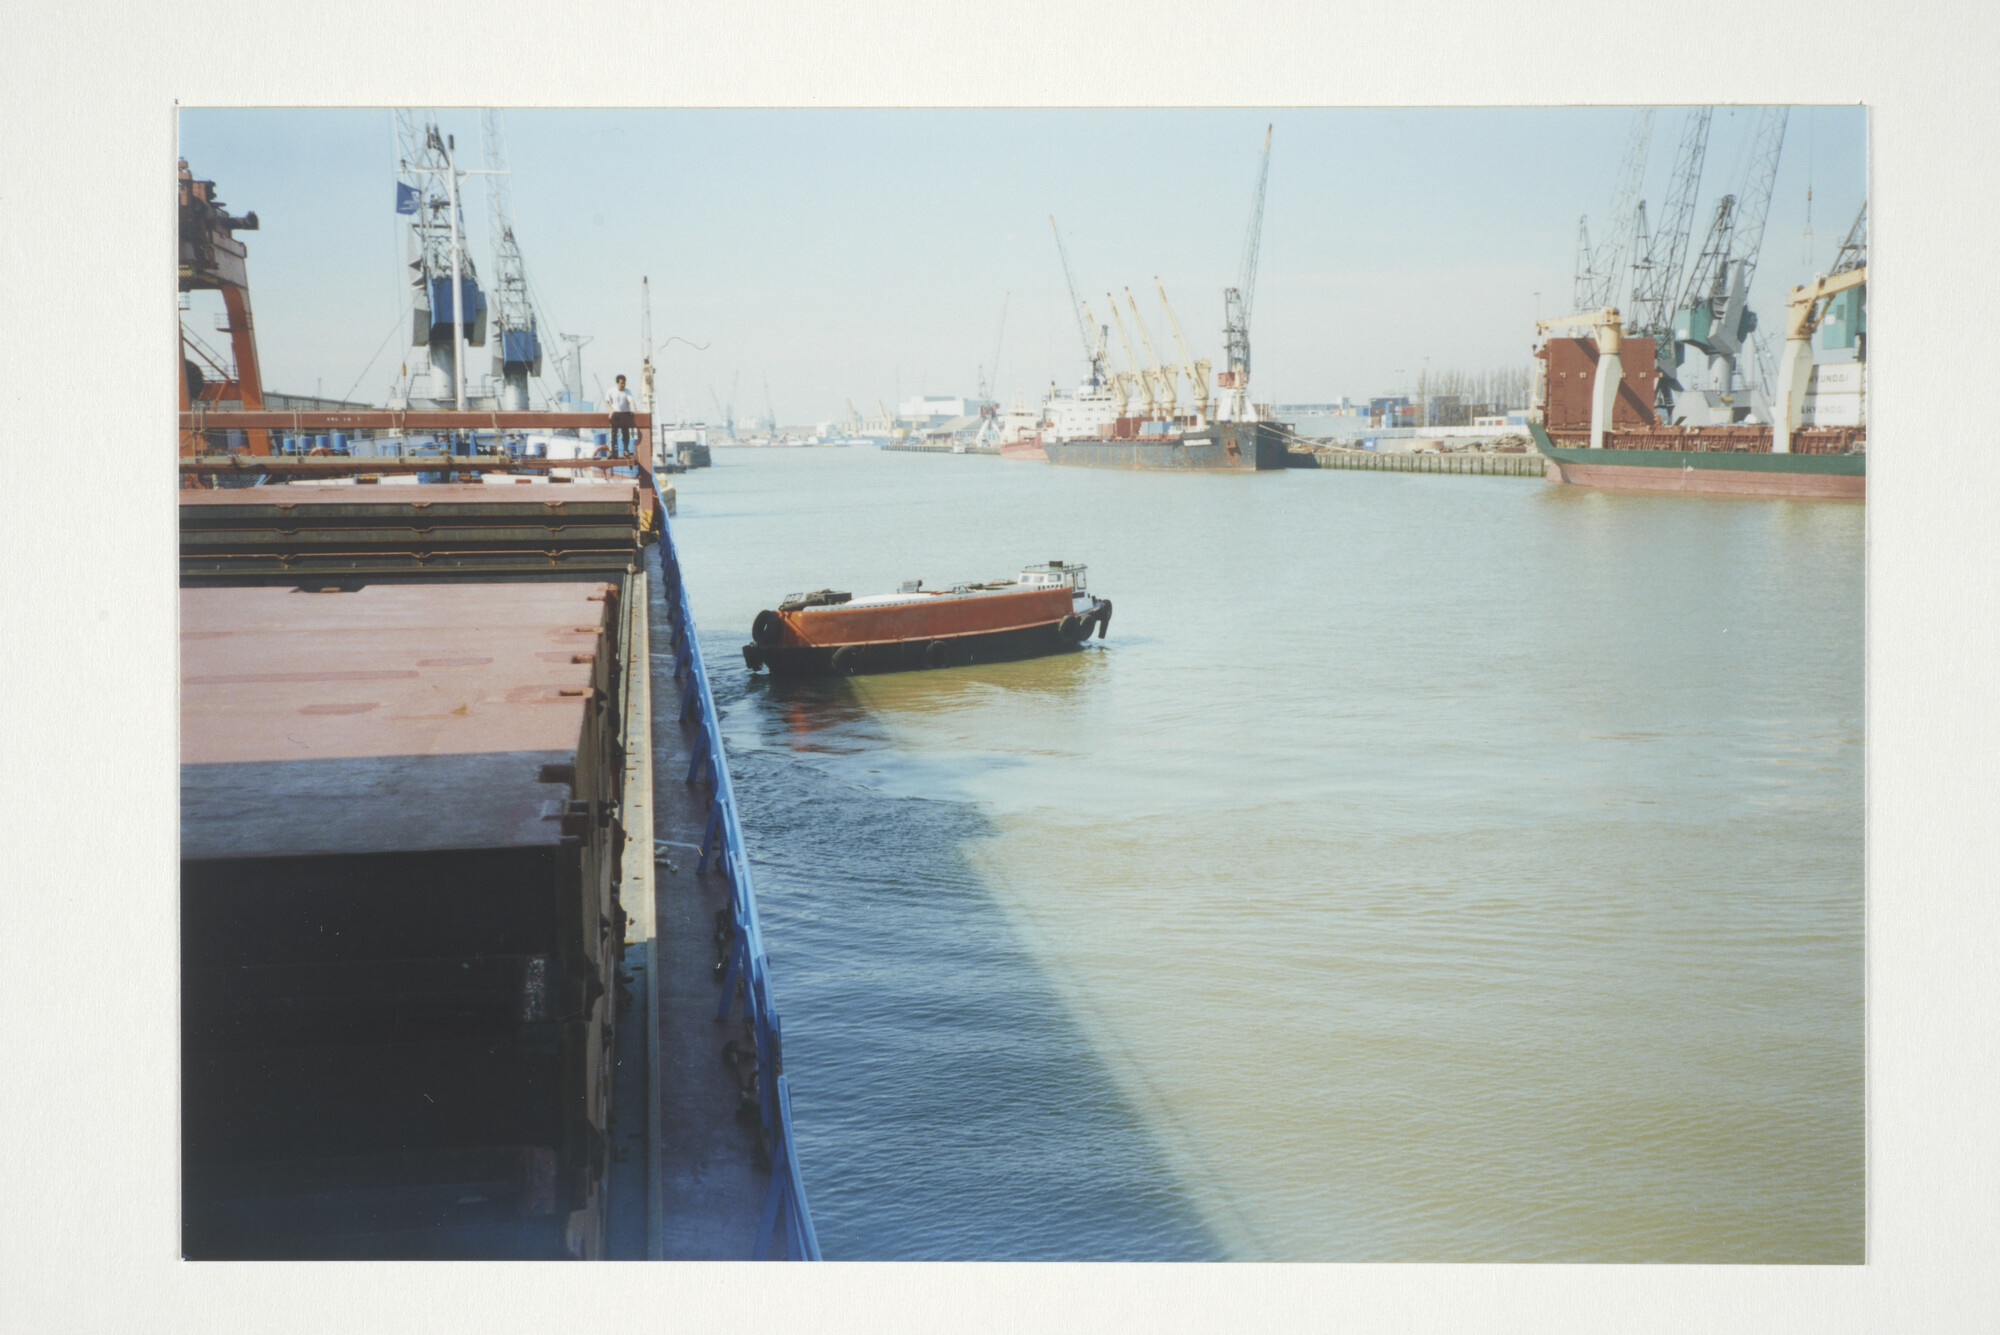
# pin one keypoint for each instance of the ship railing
(785, 1229)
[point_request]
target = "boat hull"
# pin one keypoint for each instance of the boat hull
(1001, 646)
(1031, 448)
(1841, 477)
(1225, 447)
(843, 640)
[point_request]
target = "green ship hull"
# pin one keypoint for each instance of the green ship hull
(1712, 472)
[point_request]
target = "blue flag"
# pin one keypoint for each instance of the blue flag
(406, 198)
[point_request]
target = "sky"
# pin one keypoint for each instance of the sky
(872, 255)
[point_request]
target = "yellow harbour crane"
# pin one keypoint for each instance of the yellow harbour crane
(1196, 371)
(1163, 378)
(1804, 311)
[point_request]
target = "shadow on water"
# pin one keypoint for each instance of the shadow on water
(950, 1107)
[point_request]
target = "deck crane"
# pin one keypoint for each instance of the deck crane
(770, 413)
(1196, 371)
(1657, 268)
(1165, 378)
(1807, 307)
(1599, 270)
(212, 259)
(1117, 382)
(519, 354)
(449, 311)
(1093, 334)
(1136, 375)
(1609, 329)
(1712, 315)
(1236, 300)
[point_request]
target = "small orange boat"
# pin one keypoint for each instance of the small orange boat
(1046, 609)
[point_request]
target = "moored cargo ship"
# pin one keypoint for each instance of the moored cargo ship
(1046, 609)
(1701, 460)
(419, 833)
(1234, 447)
(1599, 426)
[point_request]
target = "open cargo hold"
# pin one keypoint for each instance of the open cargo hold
(400, 924)
(502, 527)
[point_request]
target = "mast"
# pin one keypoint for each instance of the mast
(646, 342)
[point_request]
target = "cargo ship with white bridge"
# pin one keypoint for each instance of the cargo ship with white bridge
(1597, 425)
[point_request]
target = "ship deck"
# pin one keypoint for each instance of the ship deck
(705, 1186)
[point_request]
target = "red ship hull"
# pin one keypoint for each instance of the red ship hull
(924, 631)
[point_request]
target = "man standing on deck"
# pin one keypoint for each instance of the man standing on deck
(620, 404)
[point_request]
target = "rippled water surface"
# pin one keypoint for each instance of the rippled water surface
(1424, 868)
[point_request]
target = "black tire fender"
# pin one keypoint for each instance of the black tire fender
(753, 657)
(1103, 617)
(1071, 628)
(768, 628)
(937, 654)
(846, 660)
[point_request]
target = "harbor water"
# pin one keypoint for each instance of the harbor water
(1424, 868)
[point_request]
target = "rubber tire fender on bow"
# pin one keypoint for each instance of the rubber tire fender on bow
(768, 628)
(846, 660)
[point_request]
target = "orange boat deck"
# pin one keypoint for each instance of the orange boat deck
(925, 617)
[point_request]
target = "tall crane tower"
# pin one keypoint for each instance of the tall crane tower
(1853, 252)
(990, 390)
(1600, 270)
(1236, 300)
(1713, 315)
(1657, 270)
(729, 411)
(449, 308)
(519, 351)
(1093, 339)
